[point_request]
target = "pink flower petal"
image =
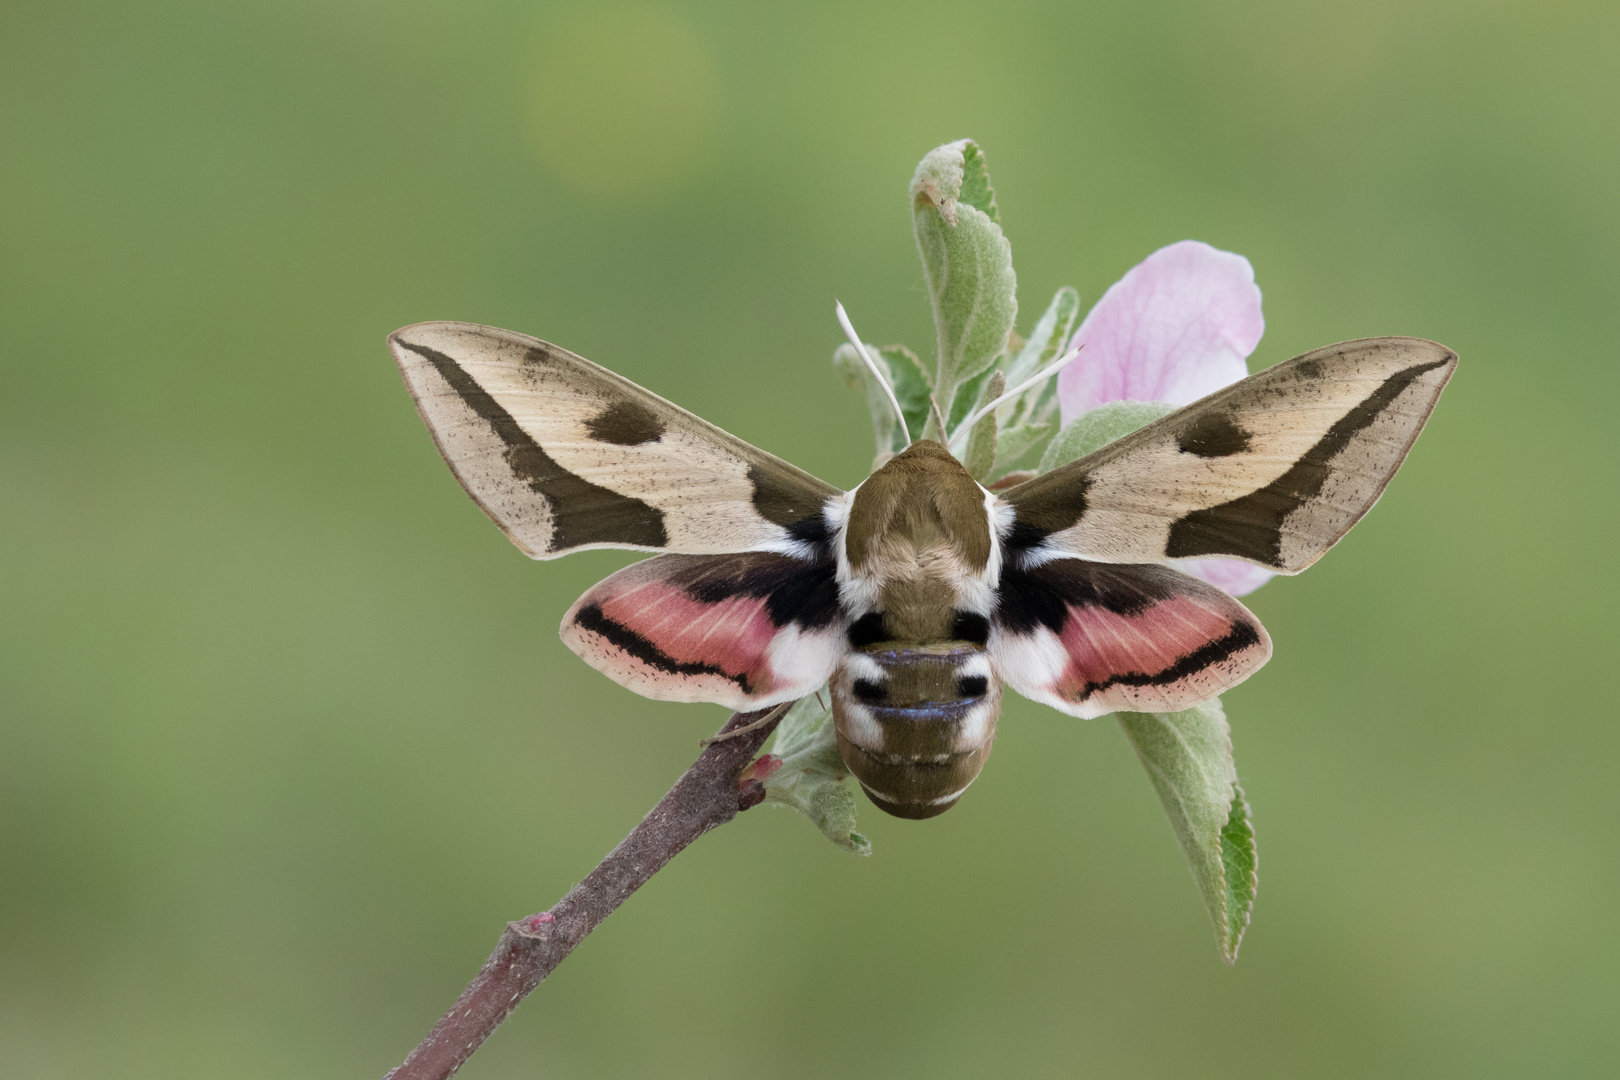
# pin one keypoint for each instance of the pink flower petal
(1236, 578)
(1177, 326)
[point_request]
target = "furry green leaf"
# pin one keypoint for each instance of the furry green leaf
(980, 454)
(910, 381)
(1099, 427)
(808, 773)
(1188, 756)
(967, 264)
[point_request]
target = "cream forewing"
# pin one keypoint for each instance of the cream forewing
(565, 455)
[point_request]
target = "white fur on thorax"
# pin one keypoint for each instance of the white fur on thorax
(858, 594)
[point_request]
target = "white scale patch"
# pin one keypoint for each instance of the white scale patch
(801, 660)
(858, 725)
(977, 725)
(1032, 663)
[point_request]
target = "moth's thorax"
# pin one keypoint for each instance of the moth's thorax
(915, 722)
(918, 545)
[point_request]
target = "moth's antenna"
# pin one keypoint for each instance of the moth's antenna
(980, 413)
(855, 340)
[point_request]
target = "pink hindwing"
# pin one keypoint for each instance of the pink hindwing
(744, 631)
(1093, 638)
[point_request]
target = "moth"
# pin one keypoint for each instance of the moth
(920, 595)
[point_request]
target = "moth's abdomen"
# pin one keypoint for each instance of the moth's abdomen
(915, 722)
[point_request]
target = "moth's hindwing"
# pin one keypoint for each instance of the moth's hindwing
(566, 455)
(745, 631)
(1093, 638)
(1273, 469)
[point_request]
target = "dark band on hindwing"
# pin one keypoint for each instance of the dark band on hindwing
(1251, 527)
(790, 591)
(591, 617)
(1242, 636)
(794, 591)
(1041, 596)
(582, 512)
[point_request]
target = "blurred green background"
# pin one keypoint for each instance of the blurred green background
(286, 732)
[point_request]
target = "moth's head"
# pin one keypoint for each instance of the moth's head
(921, 500)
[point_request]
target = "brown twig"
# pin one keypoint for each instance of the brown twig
(707, 795)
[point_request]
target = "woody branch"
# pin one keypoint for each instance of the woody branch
(707, 795)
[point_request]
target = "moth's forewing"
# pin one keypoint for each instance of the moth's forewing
(565, 455)
(1274, 469)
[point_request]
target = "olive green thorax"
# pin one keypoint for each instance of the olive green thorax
(918, 525)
